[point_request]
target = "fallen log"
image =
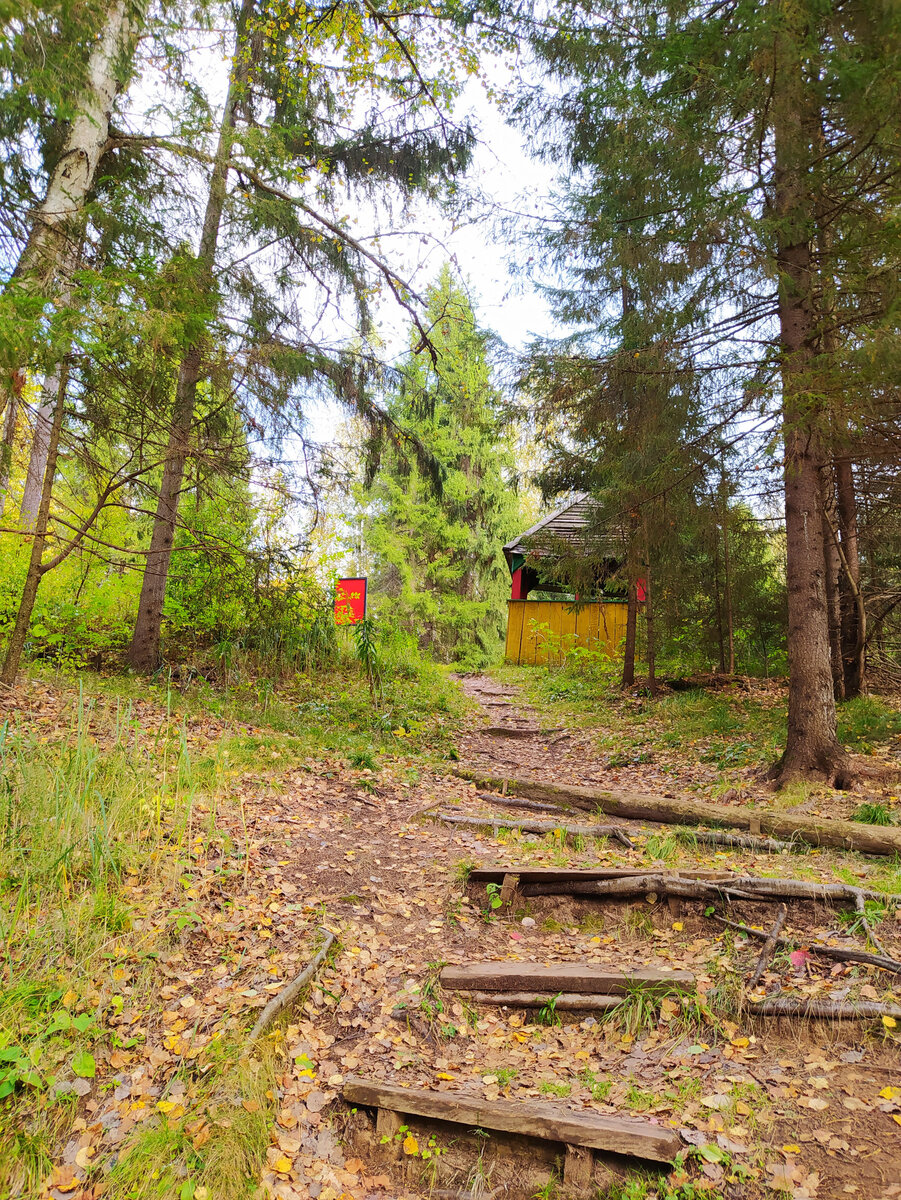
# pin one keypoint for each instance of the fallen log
(550, 874)
(738, 841)
(542, 827)
(743, 886)
(291, 991)
(564, 1001)
(517, 731)
(835, 1010)
(836, 953)
(846, 835)
(597, 1131)
(558, 977)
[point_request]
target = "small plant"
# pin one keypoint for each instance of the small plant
(547, 1014)
(638, 922)
(663, 847)
(547, 1088)
(599, 1088)
(873, 814)
(363, 760)
(463, 870)
(505, 1075)
(494, 900)
(638, 1099)
(549, 1190)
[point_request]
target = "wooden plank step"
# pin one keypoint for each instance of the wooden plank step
(596, 1131)
(559, 977)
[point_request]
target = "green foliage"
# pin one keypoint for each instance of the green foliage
(872, 814)
(437, 543)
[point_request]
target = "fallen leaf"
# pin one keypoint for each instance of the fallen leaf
(411, 1146)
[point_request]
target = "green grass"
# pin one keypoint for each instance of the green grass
(873, 814)
(560, 1090)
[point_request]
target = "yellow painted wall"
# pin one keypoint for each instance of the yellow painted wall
(541, 631)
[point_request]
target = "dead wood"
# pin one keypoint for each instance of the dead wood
(846, 835)
(564, 1001)
(516, 802)
(836, 1010)
(290, 993)
(744, 887)
(768, 947)
(584, 978)
(865, 925)
(836, 953)
(516, 731)
(739, 841)
(503, 822)
(598, 1131)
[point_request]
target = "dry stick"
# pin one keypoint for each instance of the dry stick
(768, 947)
(515, 802)
(292, 990)
(782, 1007)
(836, 953)
(498, 823)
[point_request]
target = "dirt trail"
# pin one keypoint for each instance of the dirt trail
(798, 1107)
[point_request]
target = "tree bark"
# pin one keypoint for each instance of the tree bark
(727, 577)
(831, 579)
(812, 750)
(144, 652)
(36, 569)
(40, 448)
(631, 622)
(8, 440)
(853, 613)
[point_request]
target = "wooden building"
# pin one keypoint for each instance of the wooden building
(547, 628)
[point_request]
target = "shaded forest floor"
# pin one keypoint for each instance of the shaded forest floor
(167, 869)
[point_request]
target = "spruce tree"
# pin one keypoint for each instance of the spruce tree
(438, 549)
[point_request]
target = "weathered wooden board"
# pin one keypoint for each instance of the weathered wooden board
(559, 977)
(564, 1001)
(621, 1135)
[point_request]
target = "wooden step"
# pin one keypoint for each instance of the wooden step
(595, 1131)
(560, 977)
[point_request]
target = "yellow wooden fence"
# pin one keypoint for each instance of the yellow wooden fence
(542, 631)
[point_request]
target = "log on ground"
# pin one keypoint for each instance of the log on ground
(619, 1135)
(562, 1001)
(559, 977)
(846, 835)
(542, 827)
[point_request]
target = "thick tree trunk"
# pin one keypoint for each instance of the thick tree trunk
(853, 613)
(833, 566)
(651, 651)
(36, 569)
(727, 584)
(144, 652)
(49, 243)
(812, 750)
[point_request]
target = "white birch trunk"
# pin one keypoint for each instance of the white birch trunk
(40, 445)
(41, 263)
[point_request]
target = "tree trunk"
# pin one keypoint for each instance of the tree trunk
(144, 652)
(812, 750)
(833, 566)
(631, 622)
(49, 242)
(727, 580)
(40, 447)
(853, 613)
(7, 442)
(649, 619)
(35, 567)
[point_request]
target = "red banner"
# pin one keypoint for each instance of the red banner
(350, 601)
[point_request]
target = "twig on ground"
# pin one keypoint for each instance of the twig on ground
(836, 953)
(861, 909)
(768, 947)
(291, 991)
(516, 802)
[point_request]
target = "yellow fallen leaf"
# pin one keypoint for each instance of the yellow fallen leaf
(282, 1164)
(889, 1022)
(678, 926)
(84, 1156)
(896, 1118)
(889, 1093)
(411, 1146)
(740, 1042)
(443, 1075)
(791, 1148)
(69, 998)
(166, 1106)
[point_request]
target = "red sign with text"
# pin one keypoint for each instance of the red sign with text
(350, 601)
